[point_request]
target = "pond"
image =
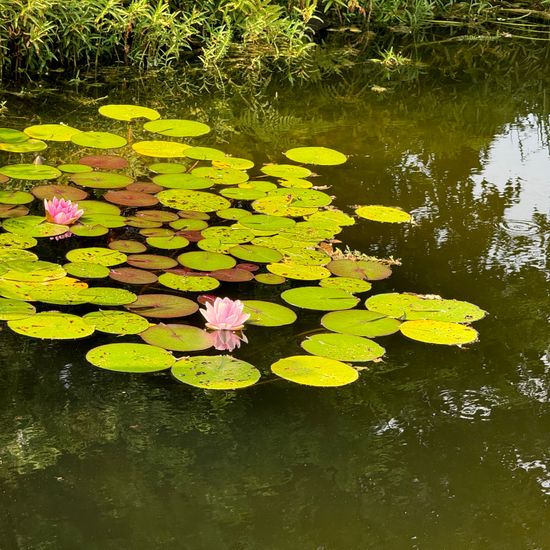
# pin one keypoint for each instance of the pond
(434, 447)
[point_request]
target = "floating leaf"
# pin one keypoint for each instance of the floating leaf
(343, 347)
(233, 162)
(9, 135)
(9, 240)
(128, 112)
(33, 226)
(192, 283)
(162, 306)
(51, 132)
(206, 261)
(221, 372)
(335, 216)
(307, 198)
(11, 310)
(98, 140)
(160, 149)
(11, 211)
(314, 371)
(130, 198)
(256, 254)
(360, 323)
(196, 201)
(172, 242)
(30, 171)
(167, 167)
(204, 153)
(104, 162)
(132, 276)
(101, 180)
(107, 296)
(316, 155)
(296, 184)
(270, 279)
(387, 214)
(130, 358)
(239, 194)
(322, 299)
(89, 230)
(175, 127)
(300, 272)
(182, 181)
(225, 176)
(349, 284)
(439, 332)
(177, 337)
(264, 222)
(233, 275)
(86, 270)
(268, 314)
(96, 255)
(151, 261)
(286, 171)
(30, 146)
(60, 191)
(52, 325)
(116, 322)
(15, 197)
(98, 207)
(127, 246)
(360, 269)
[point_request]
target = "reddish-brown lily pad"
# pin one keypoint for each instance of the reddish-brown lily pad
(144, 187)
(248, 266)
(105, 162)
(362, 269)
(130, 198)
(151, 261)
(157, 215)
(233, 275)
(162, 306)
(4, 179)
(13, 211)
(191, 236)
(60, 191)
(133, 276)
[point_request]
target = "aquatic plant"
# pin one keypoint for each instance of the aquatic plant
(202, 225)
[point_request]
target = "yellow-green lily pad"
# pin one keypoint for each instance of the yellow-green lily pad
(314, 371)
(124, 357)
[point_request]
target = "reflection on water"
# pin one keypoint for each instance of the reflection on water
(434, 448)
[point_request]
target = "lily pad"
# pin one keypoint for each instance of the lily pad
(139, 358)
(233, 162)
(33, 226)
(224, 176)
(197, 201)
(177, 337)
(316, 155)
(190, 283)
(268, 314)
(360, 323)
(151, 261)
(30, 146)
(264, 222)
(116, 322)
(343, 347)
(270, 279)
(439, 332)
(319, 298)
(314, 371)
(300, 272)
(167, 168)
(255, 254)
(182, 181)
(11, 310)
(30, 171)
(128, 112)
(387, 214)
(51, 132)
(173, 242)
(101, 180)
(107, 296)
(132, 276)
(204, 153)
(104, 162)
(10, 240)
(233, 275)
(97, 255)
(15, 197)
(175, 127)
(221, 372)
(12, 211)
(157, 215)
(349, 284)
(162, 306)
(360, 269)
(52, 325)
(98, 140)
(286, 171)
(86, 270)
(160, 149)
(206, 261)
(10, 135)
(239, 194)
(60, 191)
(127, 246)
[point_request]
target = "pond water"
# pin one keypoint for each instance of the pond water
(436, 447)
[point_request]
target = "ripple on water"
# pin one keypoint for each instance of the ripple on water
(519, 227)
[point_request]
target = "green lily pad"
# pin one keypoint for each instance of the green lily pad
(66, 192)
(151, 261)
(74, 168)
(360, 323)
(98, 140)
(11, 310)
(127, 246)
(204, 153)
(206, 261)
(97, 255)
(133, 276)
(286, 171)
(177, 337)
(417, 307)
(296, 184)
(10, 240)
(281, 205)
(239, 194)
(387, 214)
(308, 198)
(162, 306)
(264, 222)
(30, 171)
(270, 279)
(89, 229)
(52, 325)
(174, 127)
(51, 132)
(232, 213)
(182, 181)
(307, 231)
(221, 372)
(439, 332)
(30, 146)
(138, 358)
(9, 135)
(101, 180)
(173, 242)
(316, 155)
(261, 185)
(185, 283)
(349, 284)
(300, 272)
(91, 207)
(233, 162)
(314, 371)
(107, 296)
(31, 271)
(33, 226)
(268, 314)
(8, 254)
(322, 299)
(255, 254)
(167, 167)
(304, 256)
(224, 176)
(335, 216)
(15, 197)
(86, 270)
(343, 347)
(128, 112)
(196, 201)
(360, 269)
(116, 322)
(160, 149)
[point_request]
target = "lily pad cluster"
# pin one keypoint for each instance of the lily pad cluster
(138, 260)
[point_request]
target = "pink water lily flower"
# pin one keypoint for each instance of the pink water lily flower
(61, 211)
(224, 314)
(227, 340)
